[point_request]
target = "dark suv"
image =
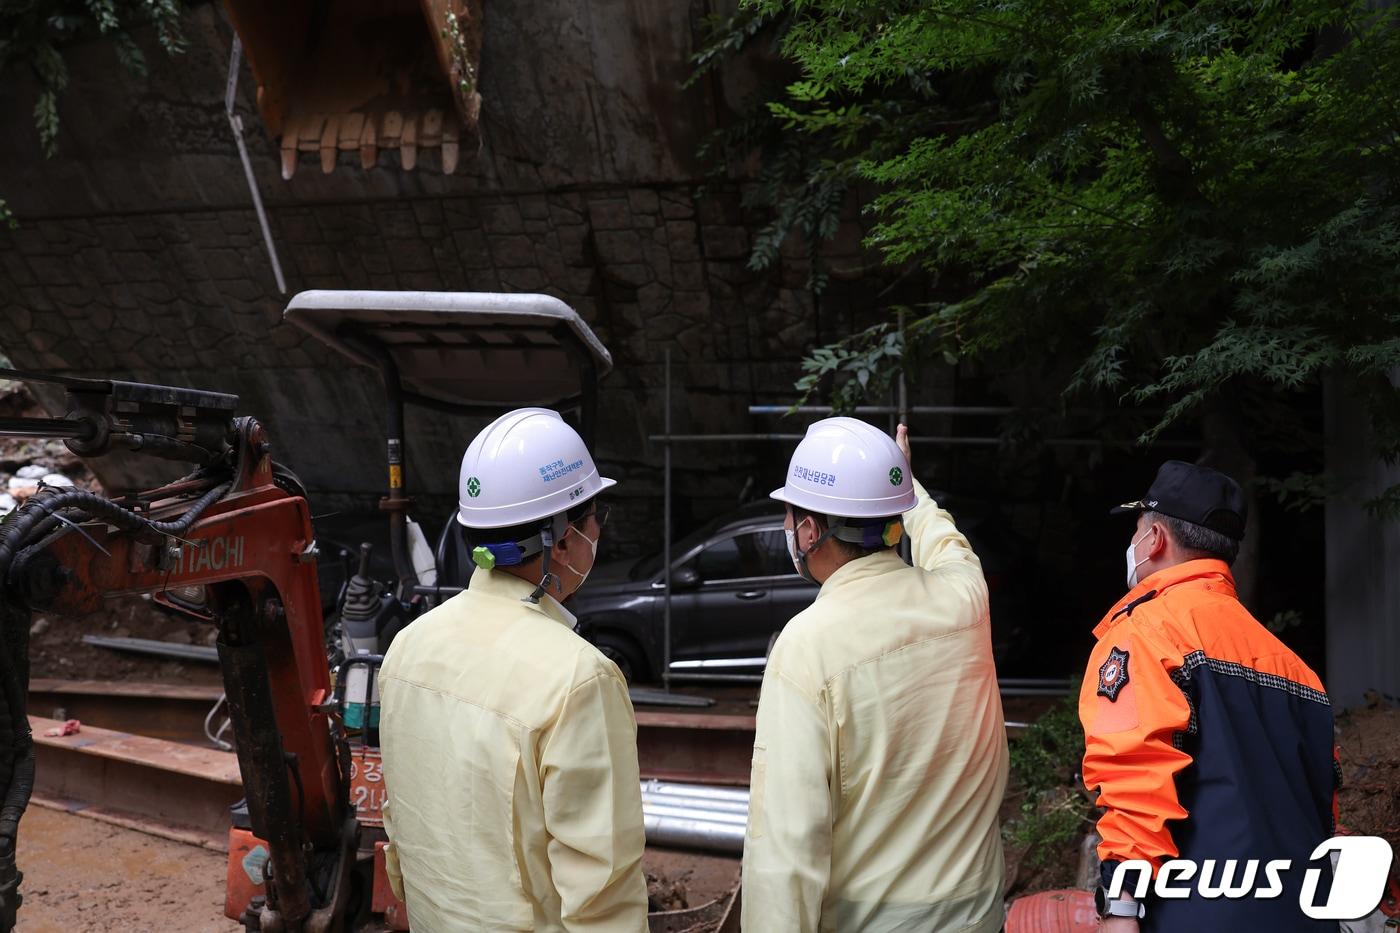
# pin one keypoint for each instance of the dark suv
(733, 589)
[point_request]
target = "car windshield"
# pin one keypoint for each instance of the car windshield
(649, 567)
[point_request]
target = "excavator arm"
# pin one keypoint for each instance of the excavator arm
(240, 529)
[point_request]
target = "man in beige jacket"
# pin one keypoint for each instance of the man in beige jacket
(510, 746)
(880, 759)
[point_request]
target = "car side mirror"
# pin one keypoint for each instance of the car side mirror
(684, 578)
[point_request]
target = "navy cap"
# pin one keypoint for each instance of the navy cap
(1194, 494)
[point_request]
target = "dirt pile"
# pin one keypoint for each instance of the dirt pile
(57, 650)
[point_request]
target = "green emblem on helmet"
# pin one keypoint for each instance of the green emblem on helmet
(896, 476)
(473, 486)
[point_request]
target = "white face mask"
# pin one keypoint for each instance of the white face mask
(593, 550)
(798, 562)
(1134, 565)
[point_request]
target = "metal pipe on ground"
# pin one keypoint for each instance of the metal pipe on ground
(695, 790)
(161, 649)
(695, 797)
(693, 834)
(695, 816)
(701, 816)
(696, 810)
(716, 678)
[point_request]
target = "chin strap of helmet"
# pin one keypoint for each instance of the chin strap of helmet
(552, 531)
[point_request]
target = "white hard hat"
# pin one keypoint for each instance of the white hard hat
(525, 466)
(848, 469)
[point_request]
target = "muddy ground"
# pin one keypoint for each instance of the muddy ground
(680, 880)
(81, 875)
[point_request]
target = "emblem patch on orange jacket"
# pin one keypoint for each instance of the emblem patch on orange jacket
(1113, 674)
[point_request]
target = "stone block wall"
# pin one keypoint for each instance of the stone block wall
(138, 256)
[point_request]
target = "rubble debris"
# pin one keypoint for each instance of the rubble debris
(28, 464)
(666, 893)
(22, 488)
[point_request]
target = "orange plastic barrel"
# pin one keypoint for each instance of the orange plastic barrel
(1067, 911)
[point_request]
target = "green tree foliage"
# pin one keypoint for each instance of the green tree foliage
(35, 33)
(1187, 203)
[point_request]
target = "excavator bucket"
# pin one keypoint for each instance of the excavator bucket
(364, 75)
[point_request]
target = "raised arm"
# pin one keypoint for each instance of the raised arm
(935, 539)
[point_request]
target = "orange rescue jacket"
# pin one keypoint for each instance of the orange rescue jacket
(1206, 737)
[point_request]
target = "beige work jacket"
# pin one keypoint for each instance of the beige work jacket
(510, 764)
(880, 758)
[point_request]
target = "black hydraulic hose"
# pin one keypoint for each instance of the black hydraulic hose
(17, 796)
(33, 520)
(16, 531)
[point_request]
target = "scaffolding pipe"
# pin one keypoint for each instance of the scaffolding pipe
(903, 409)
(666, 545)
(933, 441)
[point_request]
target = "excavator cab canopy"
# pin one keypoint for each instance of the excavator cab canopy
(474, 352)
(470, 353)
(364, 75)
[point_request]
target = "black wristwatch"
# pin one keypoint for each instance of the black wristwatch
(1107, 907)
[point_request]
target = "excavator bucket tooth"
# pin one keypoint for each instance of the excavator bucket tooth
(369, 75)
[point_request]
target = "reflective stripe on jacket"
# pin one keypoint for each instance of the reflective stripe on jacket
(510, 762)
(880, 758)
(1207, 738)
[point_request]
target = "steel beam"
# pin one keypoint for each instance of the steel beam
(139, 777)
(165, 711)
(707, 748)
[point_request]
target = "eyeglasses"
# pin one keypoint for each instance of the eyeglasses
(601, 511)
